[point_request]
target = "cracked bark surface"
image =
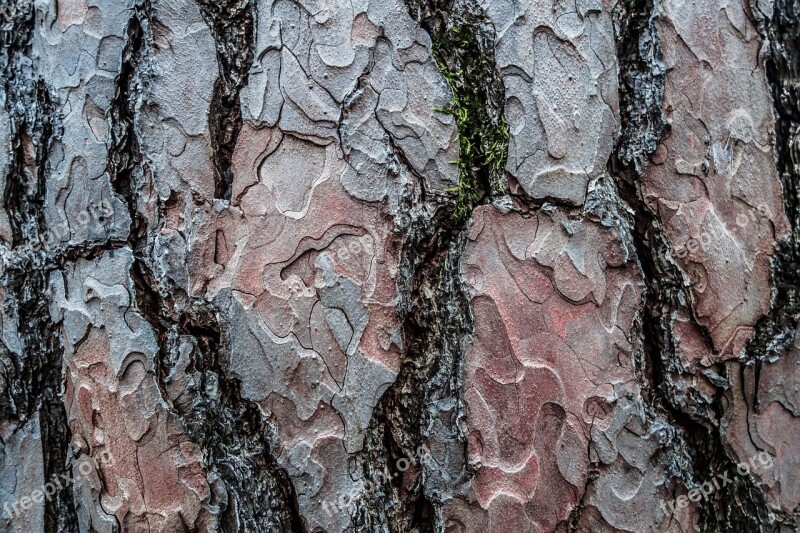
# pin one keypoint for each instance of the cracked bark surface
(399, 265)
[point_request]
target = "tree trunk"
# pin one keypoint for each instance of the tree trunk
(400, 265)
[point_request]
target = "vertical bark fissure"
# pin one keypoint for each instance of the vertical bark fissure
(436, 318)
(232, 25)
(696, 423)
(250, 491)
(255, 493)
(434, 308)
(34, 385)
(775, 332)
(124, 164)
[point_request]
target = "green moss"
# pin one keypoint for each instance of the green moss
(465, 57)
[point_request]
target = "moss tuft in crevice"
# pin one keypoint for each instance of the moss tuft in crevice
(463, 48)
(424, 403)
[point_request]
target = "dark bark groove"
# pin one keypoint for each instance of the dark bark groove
(33, 387)
(231, 23)
(741, 504)
(776, 331)
(250, 492)
(425, 403)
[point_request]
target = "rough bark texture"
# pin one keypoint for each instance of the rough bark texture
(400, 265)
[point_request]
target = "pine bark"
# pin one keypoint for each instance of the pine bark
(399, 265)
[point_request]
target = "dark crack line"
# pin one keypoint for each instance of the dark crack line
(34, 386)
(435, 311)
(250, 491)
(642, 76)
(232, 26)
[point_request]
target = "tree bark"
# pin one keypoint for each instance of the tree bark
(399, 265)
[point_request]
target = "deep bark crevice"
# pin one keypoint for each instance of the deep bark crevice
(255, 494)
(33, 378)
(696, 423)
(775, 332)
(250, 491)
(463, 41)
(232, 25)
(436, 318)
(434, 309)
(125, 166)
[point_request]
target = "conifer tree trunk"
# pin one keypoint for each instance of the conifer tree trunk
(399, 265)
